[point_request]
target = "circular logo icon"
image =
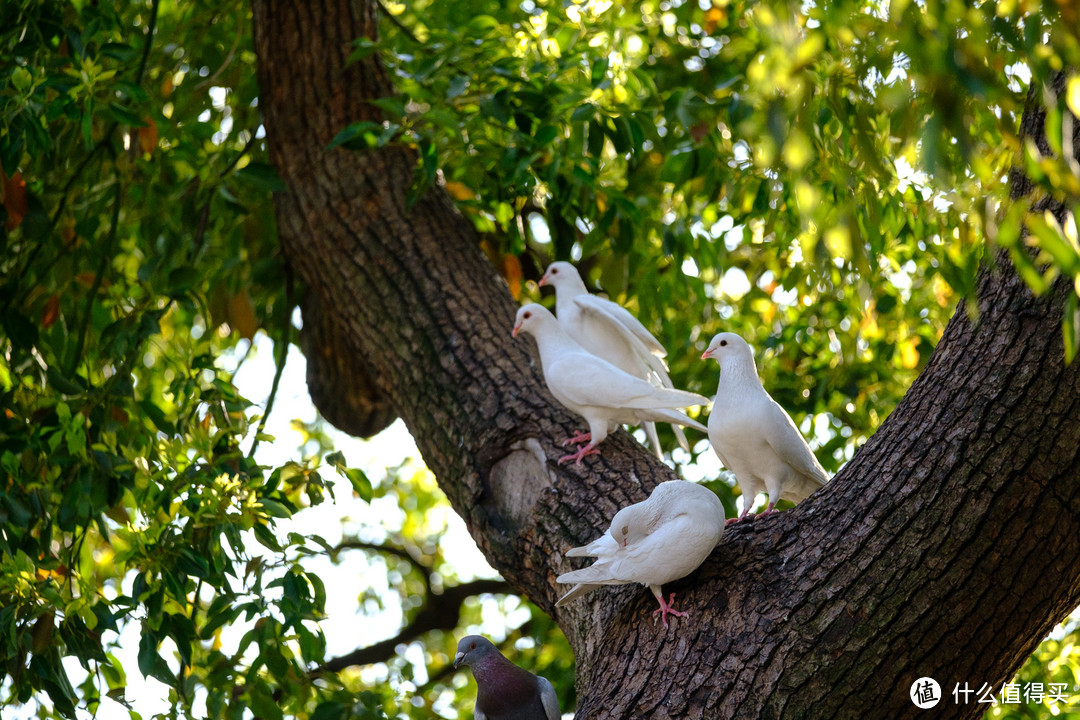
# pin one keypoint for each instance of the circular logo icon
(925, 693)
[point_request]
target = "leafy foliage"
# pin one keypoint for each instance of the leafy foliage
(822, 178)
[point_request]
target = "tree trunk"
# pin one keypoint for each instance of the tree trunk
(948, 547)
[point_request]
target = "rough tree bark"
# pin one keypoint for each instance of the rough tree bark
(948, 547)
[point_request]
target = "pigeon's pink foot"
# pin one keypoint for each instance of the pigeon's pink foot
(769, 510)
(729, 521)
(582, 452)
(577, 439)
(665, 609)
(744, 515)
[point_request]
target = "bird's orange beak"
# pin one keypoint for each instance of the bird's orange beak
(543, 281)
(517, 329)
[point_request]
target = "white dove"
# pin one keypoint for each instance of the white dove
(594, 388)
(754, 437)
(608, 330)
(652, 542)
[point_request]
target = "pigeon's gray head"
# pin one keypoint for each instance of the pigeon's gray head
(561, 274)
(726, 347)
(531, 316)
(472, 649)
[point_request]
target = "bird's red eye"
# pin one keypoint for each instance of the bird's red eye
(723, 343)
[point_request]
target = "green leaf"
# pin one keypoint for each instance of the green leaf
(394, 106)
(151, 664)
(1072, 95)
(330, 710)
(263, 704)
(1051, 238)
(119, 51)
(336, 460)
(193, 564)
(21, 79)
(546, 134)
(362, 47)
(61, 383)
(157, 416)
(360, 483)
(55, 681)
(261, 176)
(1070, 323)
(273, 508)
(458, 85)
(365, 132)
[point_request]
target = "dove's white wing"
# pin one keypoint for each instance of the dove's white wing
(784, 437)
(640, 351)
(587, 380)
(600, 310)
(549, 699)
(671, 551)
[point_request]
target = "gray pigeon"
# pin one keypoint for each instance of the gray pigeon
(753, 436)
(503, 690)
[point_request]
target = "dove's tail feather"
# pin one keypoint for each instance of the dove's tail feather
(680, 436)
(599, 573)
(576, 592)
(671, 397)
(672, 416)
(657, 366)
(654, 439)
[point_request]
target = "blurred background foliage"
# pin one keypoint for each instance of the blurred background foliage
(822, 177)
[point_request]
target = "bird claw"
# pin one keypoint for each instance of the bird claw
(582, 452)
(577, 439)
(665, 609)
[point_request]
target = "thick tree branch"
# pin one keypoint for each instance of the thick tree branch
(441, 612)
(341, 387)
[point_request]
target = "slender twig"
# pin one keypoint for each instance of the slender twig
(204, 213)
(225, 63)
(151, 26)
(397, 23)
(103, 264)
(374, 547)
(399, 552)
(282, 356)
(240, 363)
(78, 173)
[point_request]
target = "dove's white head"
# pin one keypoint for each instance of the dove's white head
(626, 526)
(562, 274)
(530, 317)
(727, 349)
